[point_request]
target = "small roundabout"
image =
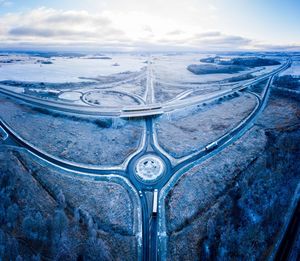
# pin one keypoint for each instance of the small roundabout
(70, 95)
(147, 170)
(109, 98)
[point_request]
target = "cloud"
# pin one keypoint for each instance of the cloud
(75, 18)
(218, 40)
(39, 32)
(56, 25)
(211, 7)
(147, 28)
(4, 3)
(175, 32)
(272, 47)
(44, 27)
(207, 34)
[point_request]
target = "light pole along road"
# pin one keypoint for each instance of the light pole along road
(144, 187)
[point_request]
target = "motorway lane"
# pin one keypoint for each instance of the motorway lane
(117, 111)
(149, 223)
(153, 239)
(149, 87)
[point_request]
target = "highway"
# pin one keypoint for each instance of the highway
(150, 225)
(151, 108)
(149, 88)
(150, 147)
(222, 143)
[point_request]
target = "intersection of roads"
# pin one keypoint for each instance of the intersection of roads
(150, 168)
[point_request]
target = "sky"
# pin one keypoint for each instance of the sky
(134, 25)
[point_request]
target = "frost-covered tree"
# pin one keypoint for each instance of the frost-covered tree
(222, 253)
(93, 234)
(34, 227)
(228, 241)
(2, 243)
(22, 193)
(205, 253)
(76, 215)
(6, 180)
(96, 249)
(59, 223)
(40, 226)
(5, 199)
(19, 258)
(61, 199)
(64, 250)
(86, 216)
(29, 227)
(91, 227)
(36, 257)
(12, 215)
(211, 229)
(12, 248)
(2, 214)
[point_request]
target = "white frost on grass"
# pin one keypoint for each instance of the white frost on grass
(12, 88)
(64, 69)
(294, 70)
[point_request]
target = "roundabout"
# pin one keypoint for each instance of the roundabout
(109, 98)
(70, 96)
(149, 168)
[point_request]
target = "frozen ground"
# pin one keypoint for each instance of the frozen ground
(168, 85)
(259, 87)
(101, 141)
(294, 70)
(233, 205)
(62, 216)
(165, 92)
(68, 78)
(230, 204)
(81, 93)
(164, 68)
(46, 76)
(183, 133)
(66, 69)
(174, 69)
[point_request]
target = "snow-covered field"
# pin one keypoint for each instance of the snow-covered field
(294, 70)
(186, 131)
(101, 142)
(69, 78)
(174, 69)
(65, 69)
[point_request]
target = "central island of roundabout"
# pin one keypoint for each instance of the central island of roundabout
(149, 168)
